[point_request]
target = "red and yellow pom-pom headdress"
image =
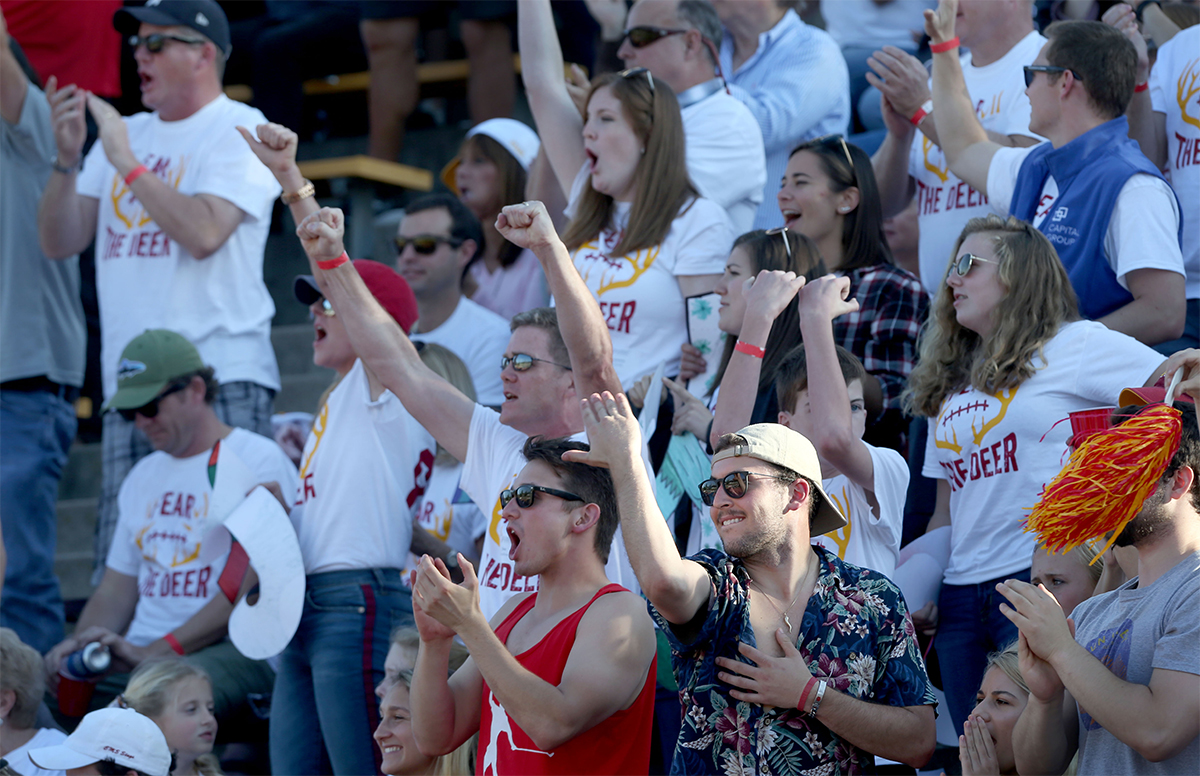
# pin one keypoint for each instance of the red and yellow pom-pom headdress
(1110, 474)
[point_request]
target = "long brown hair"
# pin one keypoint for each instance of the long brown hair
(767, 251)
(1038, 300)
(663, 187)
(510, 180)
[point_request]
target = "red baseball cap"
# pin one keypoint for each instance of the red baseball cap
(384, 283)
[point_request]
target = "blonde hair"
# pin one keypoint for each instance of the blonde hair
(1084, 554)
(151, 689)
(23, 672)
(1007, 661)
(662, 188)
(460, 762)
(408, 638)
(1038, 300)
(451, 368)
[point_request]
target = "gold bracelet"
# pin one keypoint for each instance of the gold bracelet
(306, 191)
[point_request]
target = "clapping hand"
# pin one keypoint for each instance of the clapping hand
(66, 115)
(113, 135)
(444, 607)
(612, 431)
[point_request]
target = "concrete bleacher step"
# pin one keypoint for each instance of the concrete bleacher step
(73, 556)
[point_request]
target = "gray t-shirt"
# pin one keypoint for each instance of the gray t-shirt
(1134, 631)
(41, 318)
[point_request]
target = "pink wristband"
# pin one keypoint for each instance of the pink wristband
(134, 174)
(334, 263)
(749, 350)
(174, 643)
(812, 680)
(939, 48)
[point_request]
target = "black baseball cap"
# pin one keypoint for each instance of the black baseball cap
(203, 16)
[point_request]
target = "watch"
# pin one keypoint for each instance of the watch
(64, 170)
(306, 191)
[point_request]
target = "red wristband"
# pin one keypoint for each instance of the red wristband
(938, 48)
(174, 643)
(134, 174)
(749, 350)
(1142, 86)
(916, 117)
(334, 263)
(812, 680)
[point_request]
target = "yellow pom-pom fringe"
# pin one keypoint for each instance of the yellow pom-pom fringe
(1106, 481)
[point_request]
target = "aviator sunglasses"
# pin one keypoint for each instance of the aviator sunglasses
(523, 362)
(150, 409)
(735, 484)
(525, 495)
(425, 244)
(155, 41)
(643, 35)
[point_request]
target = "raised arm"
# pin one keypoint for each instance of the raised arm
(275, 147)
(890, 162)
(830, 409)
(377, 339)
(66, 219)
(558, 121)
(528, 225)
(678, 588)
(201, 223)
(963, 139)
(1146, 126)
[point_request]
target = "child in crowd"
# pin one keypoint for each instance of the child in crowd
(178, 697)
(21, 686)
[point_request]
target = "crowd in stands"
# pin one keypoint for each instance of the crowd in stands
(691, 428)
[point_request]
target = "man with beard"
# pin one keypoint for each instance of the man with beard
(1125, 691)
(788, 659)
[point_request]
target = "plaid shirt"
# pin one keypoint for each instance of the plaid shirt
(892, 305)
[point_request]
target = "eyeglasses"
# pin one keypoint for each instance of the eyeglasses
(425, 244)
(326, 309)
(634, 72)
(150, 408)
(523, 362)
(155, 41)
(962, 265)
(735, 484)
(782, 231)
(525, 495)
(1032, 70)
(642, 35)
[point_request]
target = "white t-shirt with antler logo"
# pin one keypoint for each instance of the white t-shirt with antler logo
(999, 451)
(639, 293)
(146, 280)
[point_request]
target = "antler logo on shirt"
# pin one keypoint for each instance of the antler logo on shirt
(985, 414)
(619, 272)
(126, 206)
(942, 171)
(1185, 93)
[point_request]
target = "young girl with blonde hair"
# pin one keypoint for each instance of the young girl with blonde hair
(177, 695)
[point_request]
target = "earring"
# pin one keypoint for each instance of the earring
(643, 151)
(843, 209)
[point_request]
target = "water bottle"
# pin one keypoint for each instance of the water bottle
(78, 676)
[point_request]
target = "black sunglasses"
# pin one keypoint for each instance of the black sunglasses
(523, 362)
(155, 41)
(525, 495)
(643, 35)
(425, 244)
(1032, 70)
(962, 265)
(735, 484)
(150, 408)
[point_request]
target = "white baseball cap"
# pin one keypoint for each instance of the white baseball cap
(517, 138)
(121, 735)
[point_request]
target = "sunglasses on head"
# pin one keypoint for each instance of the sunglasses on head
(643, 35)
(425, 244)
(782, 231)
(150, 408)
(735, 484)
(839, 139)
(634, 72)
(1032, 70)
(326, 309)
(962, 265)
(155, 41)
(525, 495)
(523, 362)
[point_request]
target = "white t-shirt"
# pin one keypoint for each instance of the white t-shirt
(1144, 228)
(725, 156)
(364, 466)
(1172, 91)
(999, 452)
(494, 461)
(163, 536)
(18, 759)
(479, 337)
(869, 541)
(449, 513)
(145, 280)
(944, 201)
(639, 293)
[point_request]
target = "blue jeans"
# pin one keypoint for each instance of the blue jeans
(970, 626)
(36, 429)
(324, 709)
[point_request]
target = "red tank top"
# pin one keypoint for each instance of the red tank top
(618, 745)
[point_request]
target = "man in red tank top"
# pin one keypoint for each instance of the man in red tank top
(562, 680)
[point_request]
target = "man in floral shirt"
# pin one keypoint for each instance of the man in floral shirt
(789, 661)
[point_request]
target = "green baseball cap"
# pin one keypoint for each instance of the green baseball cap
(150, 361)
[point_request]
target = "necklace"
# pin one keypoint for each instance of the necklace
(771, 601)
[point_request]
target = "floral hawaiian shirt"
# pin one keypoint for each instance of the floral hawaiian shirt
(855, 633)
